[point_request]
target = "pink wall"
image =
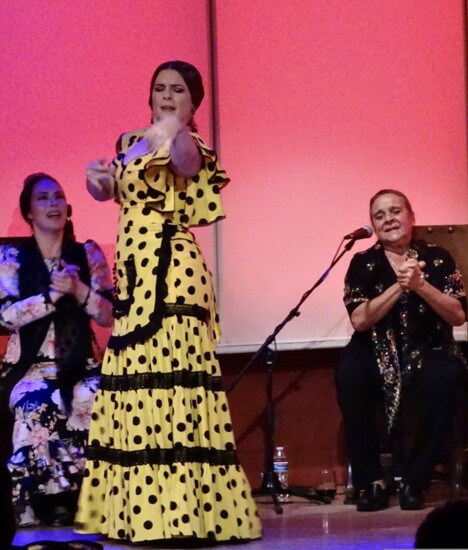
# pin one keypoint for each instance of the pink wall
(321, 104)
(73, 78)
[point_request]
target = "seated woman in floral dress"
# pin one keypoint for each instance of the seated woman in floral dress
(50, 288)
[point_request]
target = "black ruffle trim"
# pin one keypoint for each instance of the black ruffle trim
(188, 310)
(179, 454)
(164, 381)
(122, 307)
(142, 333)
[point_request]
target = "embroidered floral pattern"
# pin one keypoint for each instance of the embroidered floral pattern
(49, 445)
(400, 339)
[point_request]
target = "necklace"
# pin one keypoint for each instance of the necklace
(52, 263)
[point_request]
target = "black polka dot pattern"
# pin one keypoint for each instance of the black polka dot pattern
(162, 455)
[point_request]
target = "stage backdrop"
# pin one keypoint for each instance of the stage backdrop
(323, 103)
(320, 104)
(73, 79)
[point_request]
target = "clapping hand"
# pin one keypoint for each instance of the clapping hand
(64, 281)
(160, 134)
(411, 275)
(100, 179)
(163, 131)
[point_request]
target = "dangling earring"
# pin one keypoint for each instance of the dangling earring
(69, 231)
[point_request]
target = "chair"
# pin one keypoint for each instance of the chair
(453, 238)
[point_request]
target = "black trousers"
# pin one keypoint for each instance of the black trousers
(434, 391)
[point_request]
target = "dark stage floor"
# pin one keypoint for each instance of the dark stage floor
(304, 525)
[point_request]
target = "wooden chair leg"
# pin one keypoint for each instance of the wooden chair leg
(458, 443)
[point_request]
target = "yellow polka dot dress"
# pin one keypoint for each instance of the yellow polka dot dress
(162, 461)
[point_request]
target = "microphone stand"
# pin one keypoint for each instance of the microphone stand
(270, 484)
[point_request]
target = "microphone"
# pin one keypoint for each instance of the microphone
(362, 233)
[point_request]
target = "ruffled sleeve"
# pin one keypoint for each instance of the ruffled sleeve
(195, 200)
(154, 171)
(148, 180)
(150, 170)
(205, 188)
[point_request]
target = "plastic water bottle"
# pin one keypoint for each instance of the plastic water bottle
(280, 467)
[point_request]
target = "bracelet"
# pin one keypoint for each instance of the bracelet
(85, 303)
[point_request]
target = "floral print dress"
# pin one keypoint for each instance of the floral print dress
(49, 445)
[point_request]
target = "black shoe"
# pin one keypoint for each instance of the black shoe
(411, 498)
(61, 517)
(373, 499)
